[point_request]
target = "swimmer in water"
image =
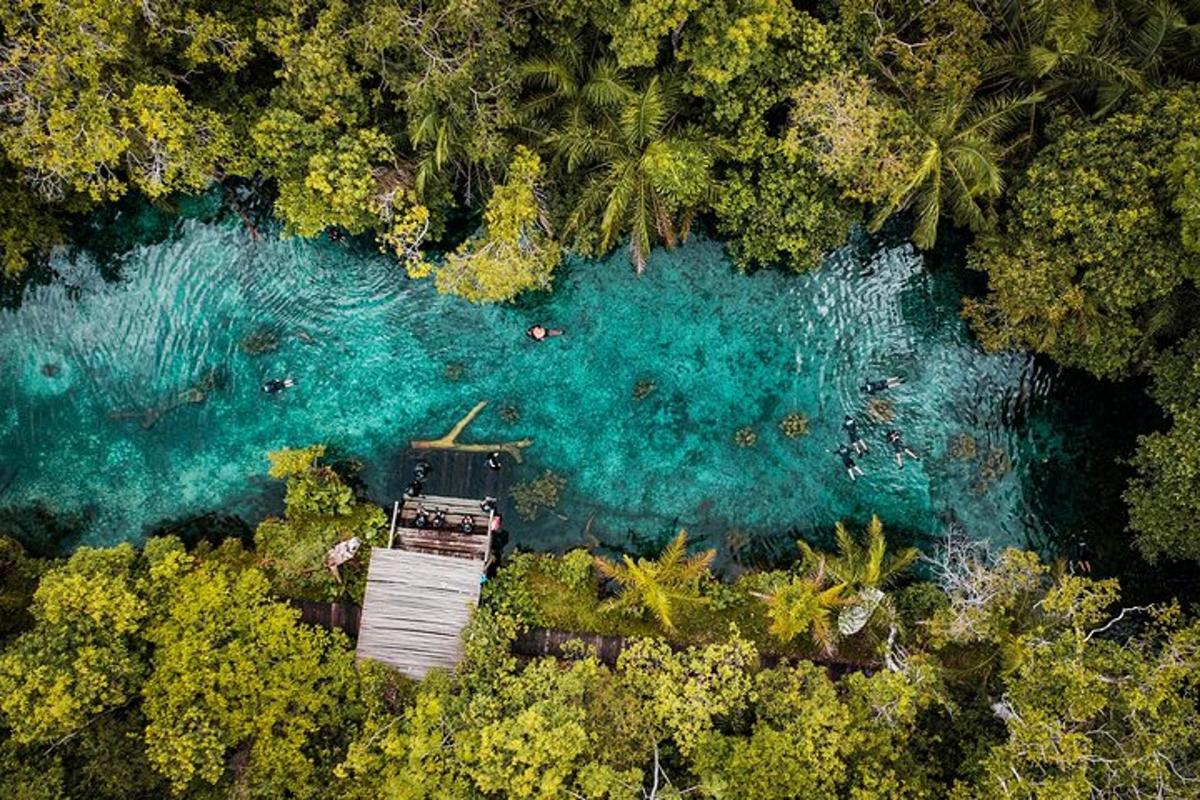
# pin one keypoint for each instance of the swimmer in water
(275, 385)
(850, 425)
(540, 333)
(493, 461)
(847, 455)
(896, 440)
(871, 387)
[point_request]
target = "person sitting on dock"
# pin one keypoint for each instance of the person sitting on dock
(439, 518)
(540, 333)
(487, 505)
(871, 387)
(850, 425)
(414, 489)
(493, 460)
(852, 469)
(421, 520)
(276, 385)
(468, 524)
(896, 440)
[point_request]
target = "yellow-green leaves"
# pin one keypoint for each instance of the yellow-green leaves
(514, 252)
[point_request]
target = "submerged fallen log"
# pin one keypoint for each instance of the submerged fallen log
(450, 440)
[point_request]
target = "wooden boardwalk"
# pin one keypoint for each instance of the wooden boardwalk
(415, 608)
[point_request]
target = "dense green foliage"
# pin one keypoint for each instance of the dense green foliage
(155, 673)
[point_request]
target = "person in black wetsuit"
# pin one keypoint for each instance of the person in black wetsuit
(421, 470)
(871, 387)
(493, 461)
(852, 469)
(896, 440)
(850, 425)
(276, 385)
(414, 489)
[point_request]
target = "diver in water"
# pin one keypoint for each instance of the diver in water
(540, 333)
(852, 469)
(275, 385)
(871, 387)
(493, 460)
(850, 425)
(896, 440)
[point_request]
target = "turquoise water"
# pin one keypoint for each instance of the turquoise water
(380, 359)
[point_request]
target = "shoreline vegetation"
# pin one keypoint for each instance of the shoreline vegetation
(1063, 137)
(168, 671)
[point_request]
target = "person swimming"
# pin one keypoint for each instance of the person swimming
(850, 425)
(540, 333)
(896, 440)
(852, 469)
(493, 460)
(276, 385)
(871, 387)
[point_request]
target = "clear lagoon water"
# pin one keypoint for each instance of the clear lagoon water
(380, 359)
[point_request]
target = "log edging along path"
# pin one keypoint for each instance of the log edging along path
(533, 642)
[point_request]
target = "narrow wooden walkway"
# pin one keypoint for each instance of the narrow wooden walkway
(415, 608)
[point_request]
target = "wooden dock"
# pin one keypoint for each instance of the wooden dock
(422, 587)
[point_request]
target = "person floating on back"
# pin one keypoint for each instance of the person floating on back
(493, 460)
(850, 425)
(540, 332)
(896, 440)
(852, 469)
(871, 387)
(276, 385)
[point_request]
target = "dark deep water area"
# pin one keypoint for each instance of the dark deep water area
(131, 373)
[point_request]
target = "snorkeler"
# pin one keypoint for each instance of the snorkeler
(896, 440)
(540, 332)
(493, 460)
(421, 520)
(439, 518)
(422, 469)
(850, 425)
(871, 387)
(847, 455)
(275, 385)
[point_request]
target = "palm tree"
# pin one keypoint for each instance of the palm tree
(643, 174)
(660, 585)
(958, 170)
(805, 604)
(1088, 50)
(865, 570)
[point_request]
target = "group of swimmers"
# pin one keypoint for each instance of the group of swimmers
(857, 445)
